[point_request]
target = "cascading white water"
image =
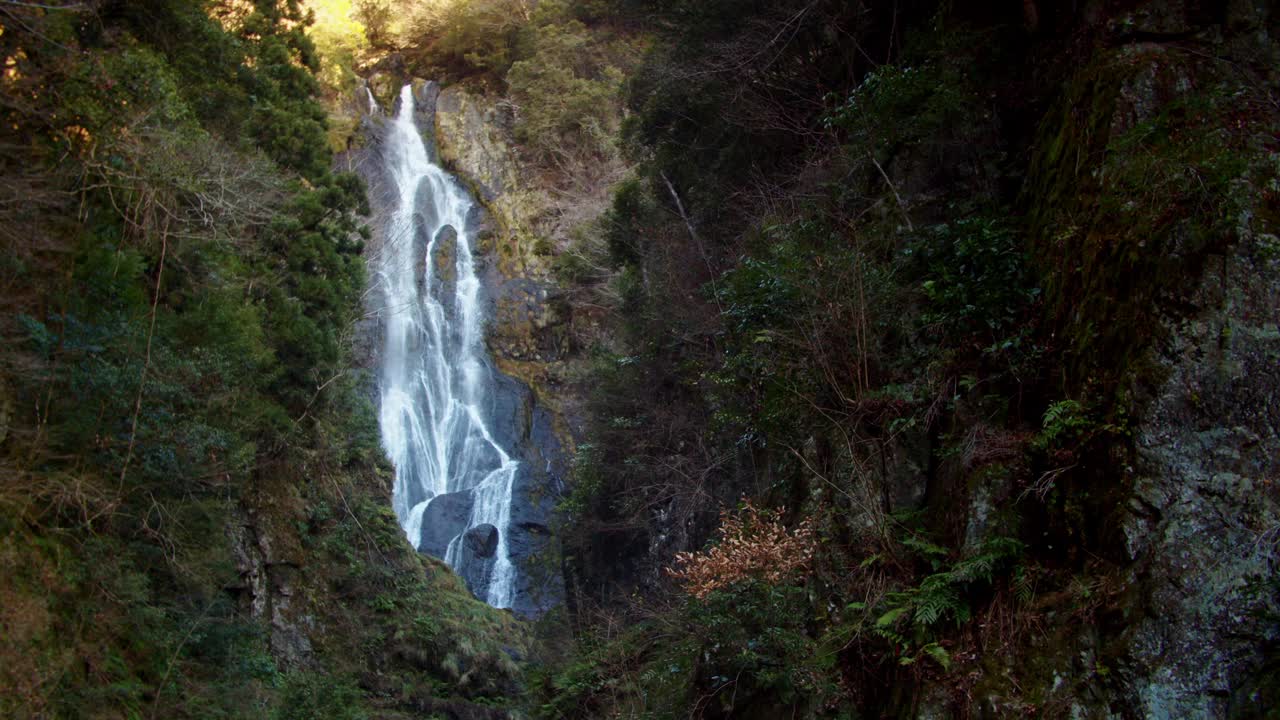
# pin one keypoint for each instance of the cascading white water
(435, 406)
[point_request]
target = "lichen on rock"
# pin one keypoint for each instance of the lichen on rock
(474, 135)
(1171, 313)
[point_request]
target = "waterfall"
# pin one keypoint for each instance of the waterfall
(453, 479)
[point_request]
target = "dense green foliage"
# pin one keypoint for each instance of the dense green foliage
(561, 64)
(566, 88)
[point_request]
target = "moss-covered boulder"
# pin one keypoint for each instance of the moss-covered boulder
(1152, 198)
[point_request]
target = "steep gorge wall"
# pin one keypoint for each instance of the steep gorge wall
(1151, 195)
(524, 334)
(1131, 148)
(1183, 301)
(529, 335)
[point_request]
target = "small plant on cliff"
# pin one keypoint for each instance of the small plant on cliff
(747, 637)
(913, 619)
(1069, 424)
(976, 283)
(1064, 419)
(754, 546)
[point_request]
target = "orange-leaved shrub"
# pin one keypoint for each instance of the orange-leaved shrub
(754, 545)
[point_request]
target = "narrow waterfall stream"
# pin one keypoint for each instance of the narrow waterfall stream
(453, 479)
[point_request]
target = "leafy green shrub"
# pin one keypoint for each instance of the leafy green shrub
(587, 482)
(912, 619)
(567, 93)
(746, 647)
(627, 221)
(755, 646)
(341, 41)
(466, 37)
(810, 314)
(977, 282)
(902, 104)
(311, 696)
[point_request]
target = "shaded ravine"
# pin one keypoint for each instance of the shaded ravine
(454, 479)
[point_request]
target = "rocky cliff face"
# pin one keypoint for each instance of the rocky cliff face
(1199, 523)
(1202, 520)
(1184, 301)
(325, 568)
(470, 139)
(527, 335)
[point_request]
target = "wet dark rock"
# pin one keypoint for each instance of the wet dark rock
(1207, 450)
(526, 428)
(483, 233)
(444, 258)
(445, 518)
(482, 540)
(477, 569)
(425, 95)
(470, 469)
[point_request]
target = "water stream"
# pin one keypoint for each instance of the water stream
(451, 475)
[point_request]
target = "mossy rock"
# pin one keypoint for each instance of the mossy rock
(6, 409)
(1134, 186)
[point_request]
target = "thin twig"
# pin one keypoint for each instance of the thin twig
(319, 390)
(697, 242)
(146, 365)
(902, 207)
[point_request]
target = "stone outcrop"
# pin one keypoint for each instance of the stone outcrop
(272, 565)
(482, 540)
(474, 141)
(1203, 519)
(529, 336)
(445, 518)
(527, 326)
(526, 333)
(1192, 512)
